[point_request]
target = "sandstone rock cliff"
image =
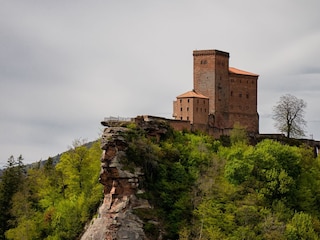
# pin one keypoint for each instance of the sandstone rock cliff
(116, 218)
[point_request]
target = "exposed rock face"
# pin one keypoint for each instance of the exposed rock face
(116, 219)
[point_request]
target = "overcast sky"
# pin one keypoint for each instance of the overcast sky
(65, 65)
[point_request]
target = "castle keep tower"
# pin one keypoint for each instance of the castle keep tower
(210, 73)
(231, 94)
(210, 78)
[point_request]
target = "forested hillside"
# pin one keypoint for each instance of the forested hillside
(201, 188)
(54, 201)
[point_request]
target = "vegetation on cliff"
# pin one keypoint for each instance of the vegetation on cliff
(201, 188)
(204, 190)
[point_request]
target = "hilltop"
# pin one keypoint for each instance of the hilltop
(186, 185)
(159, 183)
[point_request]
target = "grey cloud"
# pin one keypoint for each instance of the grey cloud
(311, 70)
(65, 65)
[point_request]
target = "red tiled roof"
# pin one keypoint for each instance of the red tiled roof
(192, 94)
(238, 71)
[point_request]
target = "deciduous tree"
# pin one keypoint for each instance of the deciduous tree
(289, 115)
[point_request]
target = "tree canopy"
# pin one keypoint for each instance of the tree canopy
(204, 190)
(199, 189)
(53, 201)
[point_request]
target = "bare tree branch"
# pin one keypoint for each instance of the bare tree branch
(289, 116)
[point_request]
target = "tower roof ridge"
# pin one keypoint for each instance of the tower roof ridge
(192, 94)
(242, 72)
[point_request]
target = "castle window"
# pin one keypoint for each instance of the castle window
(180, 100)
(180, 118)
(187, 109)
(240, 94)
(247, 95)
(181, 109)
(231, 93)
(203, 62)
(205, 110)
(187, 118)
(188, 100)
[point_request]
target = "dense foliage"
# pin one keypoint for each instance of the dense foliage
(53, 201)
(172, 167)
(269, 191)
(204, 190)
(201, 188)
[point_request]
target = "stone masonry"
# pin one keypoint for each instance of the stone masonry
(231, 94)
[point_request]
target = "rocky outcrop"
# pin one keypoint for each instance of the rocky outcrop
(116, 218)
(122, 184)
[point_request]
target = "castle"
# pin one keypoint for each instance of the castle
(222, 96)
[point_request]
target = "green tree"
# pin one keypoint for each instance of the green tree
(26, 217)
(77, 169)
(289, 115)
(238, 134)
(239, 163)
(308, 183)
(11, 181)
(276, 167)
(27, 209)
(301, 227)
(54, 202)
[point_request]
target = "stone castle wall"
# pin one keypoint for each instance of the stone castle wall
(232, 94)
